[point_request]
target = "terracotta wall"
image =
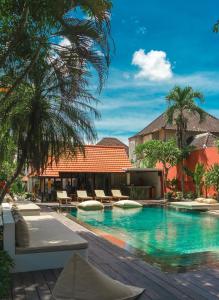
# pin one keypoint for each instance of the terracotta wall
(208, 157)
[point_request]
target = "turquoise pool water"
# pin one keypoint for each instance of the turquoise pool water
(163, 236)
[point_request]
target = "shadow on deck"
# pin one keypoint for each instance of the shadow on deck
(122, 265)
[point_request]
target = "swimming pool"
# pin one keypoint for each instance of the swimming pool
(166, 237)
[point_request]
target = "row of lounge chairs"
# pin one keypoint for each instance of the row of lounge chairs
(99, 195)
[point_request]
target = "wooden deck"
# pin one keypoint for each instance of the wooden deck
(123, 266)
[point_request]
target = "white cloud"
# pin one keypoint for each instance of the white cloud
(153, 65)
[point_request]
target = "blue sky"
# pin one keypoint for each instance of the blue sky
(159, 44)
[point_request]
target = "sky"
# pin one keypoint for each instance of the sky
(159, 44)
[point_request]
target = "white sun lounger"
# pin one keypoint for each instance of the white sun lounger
(82, 196)
(117, 195)
(100, 195)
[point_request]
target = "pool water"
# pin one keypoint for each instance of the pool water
(169, 238)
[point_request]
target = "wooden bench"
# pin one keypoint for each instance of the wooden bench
(51, 242)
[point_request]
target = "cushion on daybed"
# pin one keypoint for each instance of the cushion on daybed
(22, 237)
(47, 234)
(28, 208)
(200, 199)
(210, 201)
(90, 205)
(127, 204)
(80, 280)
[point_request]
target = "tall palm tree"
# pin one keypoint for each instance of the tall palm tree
(181, 101)
(45, 124)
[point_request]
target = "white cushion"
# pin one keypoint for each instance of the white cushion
(210, 201)
(80, 280)
(21, 230)
(28, 208)
(90, 205)
(200, 199)
(48, 234)
(127, 204)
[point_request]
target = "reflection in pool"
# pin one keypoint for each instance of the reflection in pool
(167, 237)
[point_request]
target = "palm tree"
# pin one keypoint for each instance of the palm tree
(46, 124)
(181, 101)
(46, 107)
(31, 29)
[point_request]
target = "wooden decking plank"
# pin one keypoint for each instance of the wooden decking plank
(144, 272)
(18, 292)
(201, 281)
(50, 279)
(30, 286)
(203, 293)
(42, 287)
(137, 277)
(107, 268)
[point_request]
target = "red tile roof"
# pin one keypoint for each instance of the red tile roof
(97, 159)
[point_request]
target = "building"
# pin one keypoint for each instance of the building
(112, 141)
(160, 129)
(99, 167)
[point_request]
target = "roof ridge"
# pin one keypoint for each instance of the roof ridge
(104, 146)
(138, 133)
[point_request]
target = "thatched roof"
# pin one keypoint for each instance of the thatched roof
(209, 124)
(111, 141)
(204, 140)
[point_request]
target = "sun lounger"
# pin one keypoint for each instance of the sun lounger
(62, 197)
(82, 196)
(100, 195)
(118, 196)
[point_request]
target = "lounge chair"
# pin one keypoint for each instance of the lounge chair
(100, 195)
(117, 195)
(82, 196)
(63, 197)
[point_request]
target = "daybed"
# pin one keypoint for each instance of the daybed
(194, 205)
(51, 243)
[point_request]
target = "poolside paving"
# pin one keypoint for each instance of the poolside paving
(118, 263)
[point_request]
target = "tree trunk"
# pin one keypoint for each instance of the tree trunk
(182, 178)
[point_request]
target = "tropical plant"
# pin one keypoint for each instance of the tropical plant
(46, 107)
(154, 151)
(181, 101)
(197, 176)
(212, 178)
(6, 264)
(44, 125)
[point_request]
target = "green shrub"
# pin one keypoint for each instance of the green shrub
(179, 195)
(169, 196)
(190, 195)
(6, 263)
